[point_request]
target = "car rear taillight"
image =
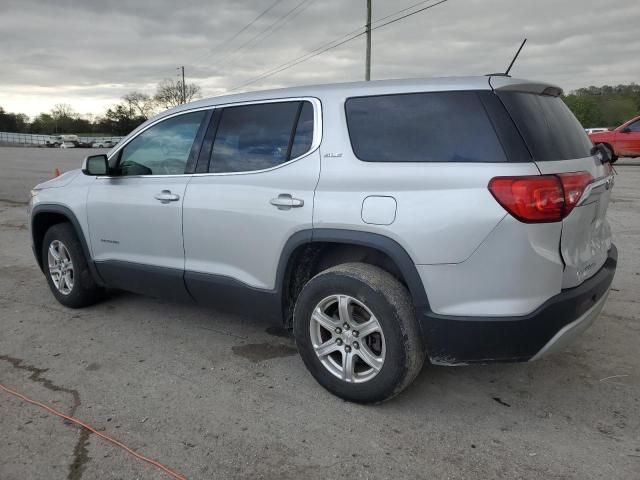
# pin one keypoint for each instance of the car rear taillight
(540, 198)
(574, 185)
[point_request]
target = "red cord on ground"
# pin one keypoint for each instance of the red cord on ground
(176, 476)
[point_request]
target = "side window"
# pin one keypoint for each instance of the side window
(162, 149)
(635, 126)
(260, 136)
(422, 127)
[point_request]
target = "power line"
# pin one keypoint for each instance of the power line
(225, 43)
(294, 15)
(276, 24)
(360, 28)
(403, 10)
(229, 40)
(408, 15)
(320, 50)
(343, 36)
(304, 58)
(267, 32)
(331, 45)
(233, 37)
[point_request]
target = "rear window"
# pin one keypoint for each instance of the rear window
(547, 125)
(422, 127)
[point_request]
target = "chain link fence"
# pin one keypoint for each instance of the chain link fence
(29, 139)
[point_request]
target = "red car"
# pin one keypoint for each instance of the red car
(623, 141)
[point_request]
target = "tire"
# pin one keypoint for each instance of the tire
(76, 288)
(367, 291)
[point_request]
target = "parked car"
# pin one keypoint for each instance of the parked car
(68, 145)
(84, 144)
(623, 141)
(596, 130)
(459, 219)
(53, 141)
(104, 144)
(60, 140)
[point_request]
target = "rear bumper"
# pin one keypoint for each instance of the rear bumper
(453, 340)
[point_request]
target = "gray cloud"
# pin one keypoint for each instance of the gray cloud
(89, 53)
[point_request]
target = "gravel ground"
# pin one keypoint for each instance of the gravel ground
(218, 396)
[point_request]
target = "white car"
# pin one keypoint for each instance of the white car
(104, 144)
(53, 141)
(67, 145)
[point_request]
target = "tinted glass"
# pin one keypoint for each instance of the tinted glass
(634, 127)
(162, 149)
(547, 125)
(304, 131)
(422, 127)
(254, 137)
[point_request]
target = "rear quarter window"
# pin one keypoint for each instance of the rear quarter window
(547, 126)
(422, 127)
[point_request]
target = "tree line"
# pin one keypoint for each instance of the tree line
(605, 106)
(121, 118)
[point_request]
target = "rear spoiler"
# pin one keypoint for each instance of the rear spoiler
(504, 83)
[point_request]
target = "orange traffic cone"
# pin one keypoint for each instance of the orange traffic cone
(56, 173)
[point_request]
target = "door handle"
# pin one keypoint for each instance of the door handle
(165, 196)
(285, 201)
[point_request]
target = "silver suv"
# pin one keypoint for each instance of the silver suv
(461, 219)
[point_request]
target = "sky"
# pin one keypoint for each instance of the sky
(89, 53)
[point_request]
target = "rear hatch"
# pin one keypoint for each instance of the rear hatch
(559, 144)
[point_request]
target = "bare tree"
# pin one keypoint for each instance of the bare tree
(63, 117)
(63, 110)
(169, 93)
(139, 104)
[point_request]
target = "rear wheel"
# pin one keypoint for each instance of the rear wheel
(66, 268)
(357, 333)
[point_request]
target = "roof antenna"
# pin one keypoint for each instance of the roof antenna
(515, 57)
(506, 74)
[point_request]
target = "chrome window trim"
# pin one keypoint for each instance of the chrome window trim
(315, 143)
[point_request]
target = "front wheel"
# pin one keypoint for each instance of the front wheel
(66, 268)
(356, 331)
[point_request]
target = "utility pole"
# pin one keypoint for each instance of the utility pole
(184, 90)
(367, 73)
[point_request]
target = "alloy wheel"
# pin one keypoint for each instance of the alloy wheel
(60, 267)
(347, 338)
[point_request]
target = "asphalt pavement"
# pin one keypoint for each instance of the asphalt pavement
(212, 395)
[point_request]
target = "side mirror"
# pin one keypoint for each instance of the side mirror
(602, 152)
(625, 130)
(95, 165)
